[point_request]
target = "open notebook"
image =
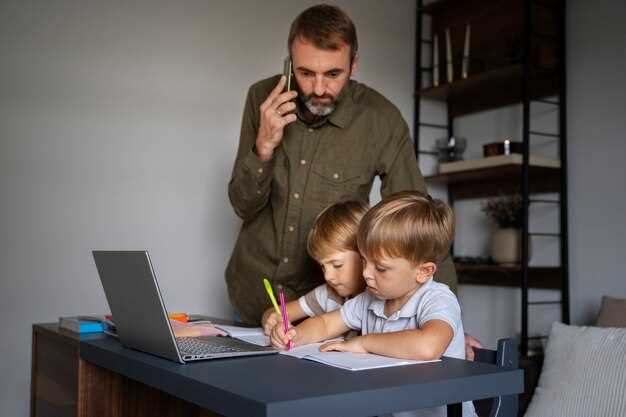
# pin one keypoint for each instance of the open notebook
(252, 335)
(347, 360)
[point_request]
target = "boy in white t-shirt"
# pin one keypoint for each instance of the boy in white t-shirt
(403, 313)
(332, 243)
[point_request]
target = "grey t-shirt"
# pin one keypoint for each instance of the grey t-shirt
(432, 301)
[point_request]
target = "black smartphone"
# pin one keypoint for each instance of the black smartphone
(288, 72)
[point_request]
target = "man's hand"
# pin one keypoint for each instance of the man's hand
(269, 320)
(275, 115)
(353, 345)
(470, 344)
(280, 339)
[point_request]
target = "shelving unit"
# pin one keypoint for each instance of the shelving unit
(517, 56)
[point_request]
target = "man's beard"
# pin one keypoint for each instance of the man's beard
(319, 109)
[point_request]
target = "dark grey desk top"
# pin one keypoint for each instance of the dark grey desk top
(282, 386)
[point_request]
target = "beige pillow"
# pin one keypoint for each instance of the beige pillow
(583, 375)
(612, 312)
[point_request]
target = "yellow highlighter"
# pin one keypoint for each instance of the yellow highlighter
(270, 292)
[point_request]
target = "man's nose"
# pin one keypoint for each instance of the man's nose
(319, 88)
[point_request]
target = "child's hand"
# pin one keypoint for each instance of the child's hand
(280, 339)
(195, 329)
(470, 344)
(269, 320)
(353, 345)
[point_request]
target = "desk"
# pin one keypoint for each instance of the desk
(276, 385)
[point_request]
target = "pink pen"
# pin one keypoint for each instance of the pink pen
(283, 312)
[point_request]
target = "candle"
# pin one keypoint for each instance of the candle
(449, 57)
(466, 46)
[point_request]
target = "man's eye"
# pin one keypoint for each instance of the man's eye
(306, 73)
(333, 74)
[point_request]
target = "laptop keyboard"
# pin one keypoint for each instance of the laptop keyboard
(208, 346)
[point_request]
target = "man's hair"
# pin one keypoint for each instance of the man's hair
(409, 225)
(335, 229)
(327, 27)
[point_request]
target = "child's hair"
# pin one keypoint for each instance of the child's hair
(335, 229)
(409, 225)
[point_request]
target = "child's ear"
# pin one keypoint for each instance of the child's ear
(425, 271)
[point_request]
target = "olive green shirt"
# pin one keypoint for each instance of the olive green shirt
(314, 166)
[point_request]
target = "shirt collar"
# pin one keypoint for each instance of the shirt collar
(408, 309)
(341, 115)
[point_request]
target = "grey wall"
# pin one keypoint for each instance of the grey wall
(597, 121)
(119, 122)
(118, 127)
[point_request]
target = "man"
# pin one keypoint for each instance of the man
(303, 150)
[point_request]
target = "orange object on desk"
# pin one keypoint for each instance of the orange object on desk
(181, 317)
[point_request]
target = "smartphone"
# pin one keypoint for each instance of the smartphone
(288, 72)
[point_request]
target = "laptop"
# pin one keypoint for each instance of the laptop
(132, 290)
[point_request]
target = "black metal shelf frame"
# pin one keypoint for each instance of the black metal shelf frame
(561, 136)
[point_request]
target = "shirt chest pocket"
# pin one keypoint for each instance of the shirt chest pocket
(329, 184)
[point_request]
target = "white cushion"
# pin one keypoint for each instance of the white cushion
(584, 373)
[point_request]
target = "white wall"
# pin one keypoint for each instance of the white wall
(118, 127)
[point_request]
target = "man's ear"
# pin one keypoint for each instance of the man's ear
(355, 65)
(425, 271)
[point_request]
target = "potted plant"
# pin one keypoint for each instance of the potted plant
(506, 212)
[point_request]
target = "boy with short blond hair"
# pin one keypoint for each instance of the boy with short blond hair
(332, 243)
(404, 313)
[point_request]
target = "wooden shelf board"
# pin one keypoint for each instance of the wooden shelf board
(501, 276)
(491, 89)
(447, 90)
(486, 182)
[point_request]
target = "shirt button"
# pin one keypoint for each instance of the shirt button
(260, 170)
(336, 176)
(296, 195)
(291, 228)
(302, 162)
(310, 130)
(285, 260)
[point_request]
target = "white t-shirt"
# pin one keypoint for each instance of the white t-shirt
(432, 301)
(320, 300)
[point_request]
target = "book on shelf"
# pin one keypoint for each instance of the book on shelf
(82, 324)
(495, 161)
(347, 360)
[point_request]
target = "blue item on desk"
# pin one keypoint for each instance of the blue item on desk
(81, 324)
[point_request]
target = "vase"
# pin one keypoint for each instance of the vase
(506, 246)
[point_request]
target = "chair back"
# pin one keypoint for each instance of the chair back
(506, 356)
